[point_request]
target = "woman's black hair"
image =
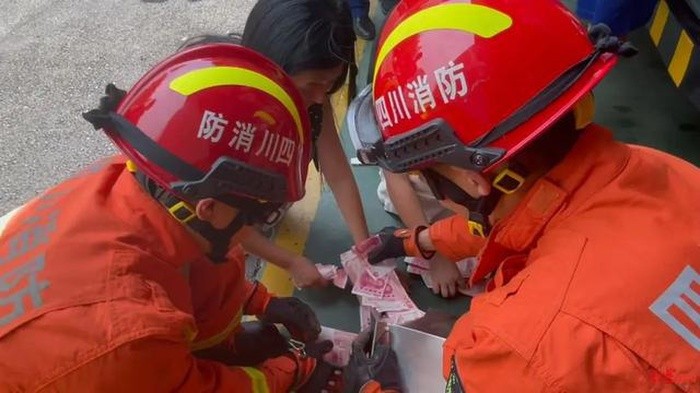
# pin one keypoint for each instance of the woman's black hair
(301, 35)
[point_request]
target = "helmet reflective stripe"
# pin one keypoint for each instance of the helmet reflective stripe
(198, 80)
(470, 18)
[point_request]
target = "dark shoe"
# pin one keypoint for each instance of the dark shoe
(364, 28)
(388, 5)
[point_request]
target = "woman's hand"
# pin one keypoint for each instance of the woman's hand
(305, 275)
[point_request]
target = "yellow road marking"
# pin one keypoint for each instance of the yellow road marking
(659, 22)
(292, 234)
(681, 58)
(339, 102)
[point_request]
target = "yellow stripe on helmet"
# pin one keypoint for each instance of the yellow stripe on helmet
(257, 379)
(205, 78)
(470, 18)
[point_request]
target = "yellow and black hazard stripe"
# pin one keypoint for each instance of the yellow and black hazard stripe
(675, 31)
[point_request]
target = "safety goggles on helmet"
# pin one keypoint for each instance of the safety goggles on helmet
(226, 176)
(229, 176)
(436, 141)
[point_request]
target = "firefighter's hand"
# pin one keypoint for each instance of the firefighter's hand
(318, 349)
(321, 377)
(392, 245)
(299, 319)
(258, 341)
(382, 366)
(325, 377)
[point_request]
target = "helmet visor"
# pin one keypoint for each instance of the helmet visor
(228, 176)
(434, 141)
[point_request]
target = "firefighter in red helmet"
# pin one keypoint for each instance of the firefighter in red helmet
(590, 247)
(128, 276)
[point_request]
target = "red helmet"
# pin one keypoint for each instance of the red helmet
(469, 83)
(216, 120)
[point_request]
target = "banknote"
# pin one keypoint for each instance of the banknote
(327, 271)
(368, 245)
(378, 288)
(365, 317)
(384, 305)
(368, 285)
(334, 273)
(418, 262)
(341, 279)
(414, 269)
(339, 356)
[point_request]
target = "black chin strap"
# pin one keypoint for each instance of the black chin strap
(479, 208)
(479, 224)
(506, 182)
(219, 239)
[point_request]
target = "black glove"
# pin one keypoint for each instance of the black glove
(324, 377)
(258, 341)
(323, 372)
(254, 343)
(318, 349)
(299, 319)
(392, 246)
(382, 367)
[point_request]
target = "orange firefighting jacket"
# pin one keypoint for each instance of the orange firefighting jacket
(101, 290)
(595, 281)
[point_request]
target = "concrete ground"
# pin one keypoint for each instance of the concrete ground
(56, 56)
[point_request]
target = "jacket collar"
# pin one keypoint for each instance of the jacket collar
(594, 161)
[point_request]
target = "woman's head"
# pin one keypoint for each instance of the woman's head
(312, 40)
